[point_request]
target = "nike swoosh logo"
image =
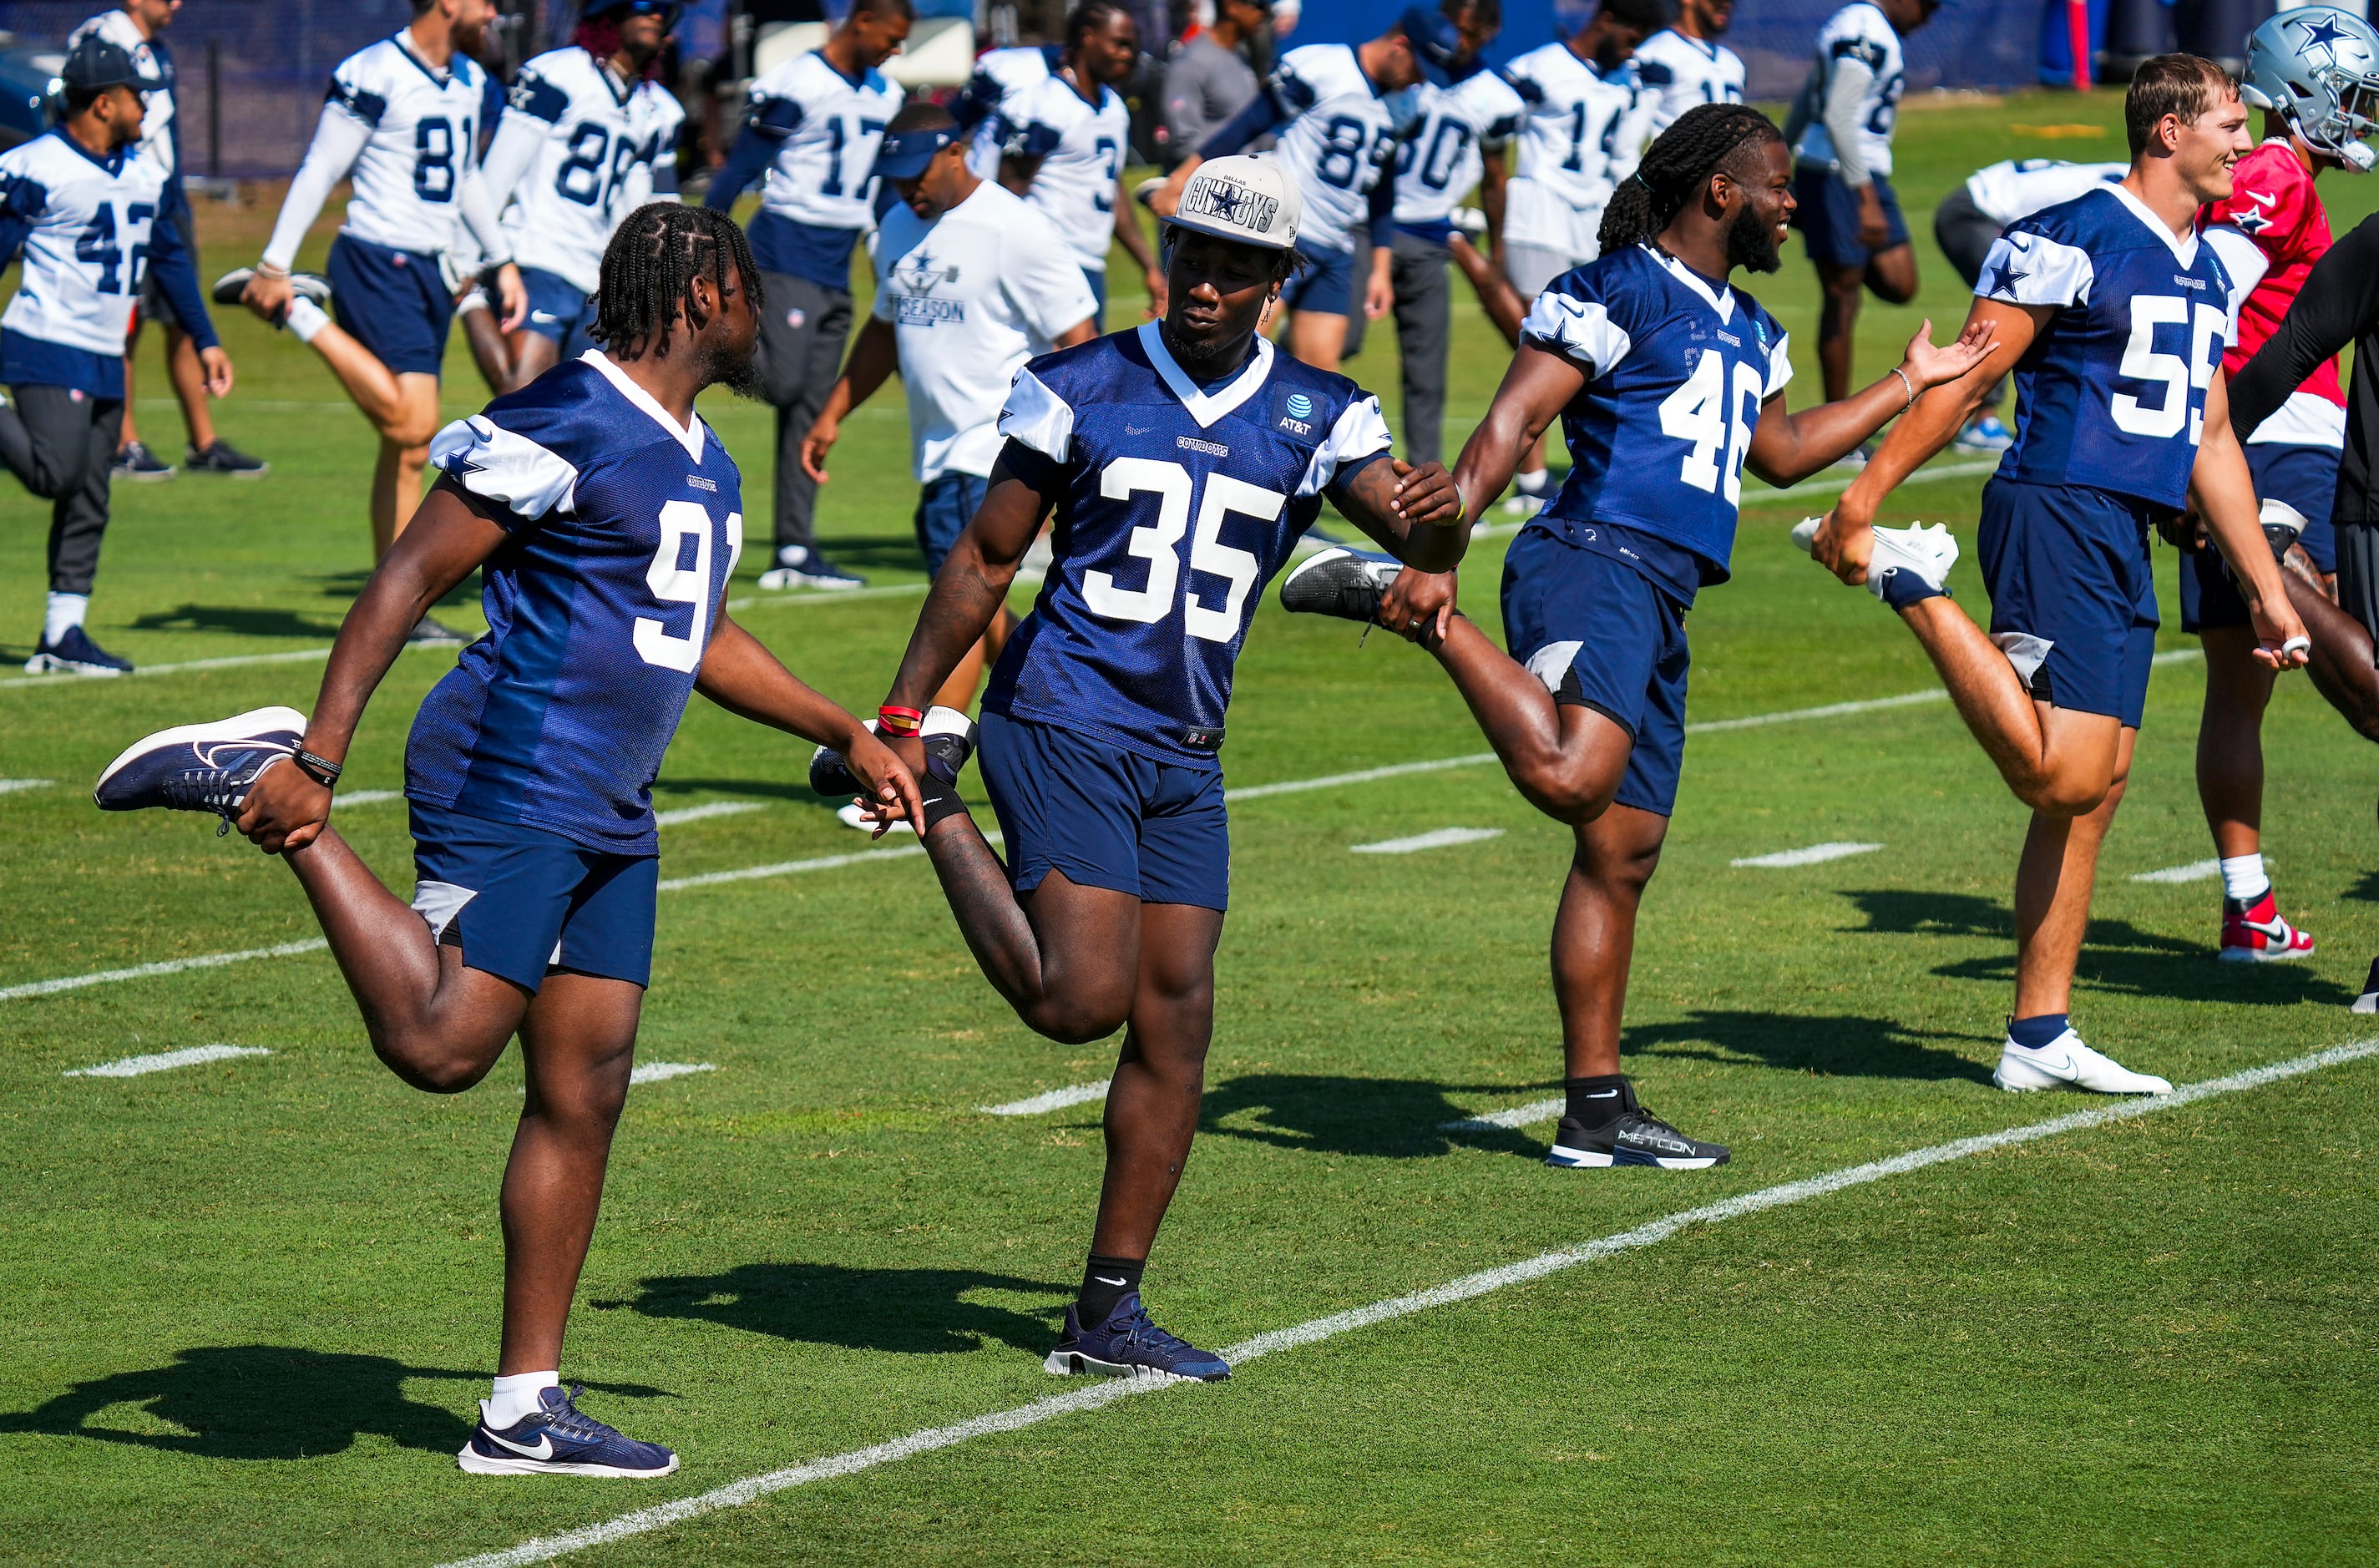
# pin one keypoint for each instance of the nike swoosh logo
(1604, 1094)
(2261, 200)
(544, 1449)
(1104, 1280)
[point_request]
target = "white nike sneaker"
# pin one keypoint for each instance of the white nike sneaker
(2065, 1060)
(1928, 551)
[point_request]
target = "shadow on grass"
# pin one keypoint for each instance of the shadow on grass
(909, 1311)
(345, 586)
(1392, 1118)
(864, 550)
(240, 620)
(261, 1402)
(754, 789)
(2367, 889)
(1839, 1046)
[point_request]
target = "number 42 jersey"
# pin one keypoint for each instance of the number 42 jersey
(2112, 392)
(1176, 504)
(624, 530)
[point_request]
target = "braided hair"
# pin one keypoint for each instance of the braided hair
(648, 272)
(1676, 166)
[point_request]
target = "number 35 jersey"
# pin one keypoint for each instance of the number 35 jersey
(624, 529)
(1176, 504)
(592, 165)
(1677, 365)
(2112, 392)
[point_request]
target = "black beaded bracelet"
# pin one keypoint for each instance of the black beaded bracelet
(321, 770)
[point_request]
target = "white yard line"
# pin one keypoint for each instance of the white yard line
(701, 813)
(788, 868)
(166, 1061)
(656, 1072)
(169, 966)
(1439, 839)
(10, 786)
(370, 797)
(1535, 1111)
(1055, 1100)
(2195, 871)
(1816, 854)
(644, 1521)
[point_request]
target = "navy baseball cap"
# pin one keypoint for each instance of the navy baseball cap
(904, 154)
(667, 10)
(95, 63)
(1435, 40)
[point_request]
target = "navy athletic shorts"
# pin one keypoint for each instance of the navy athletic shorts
(1327, 288)
(944, 506)
(1600, 635)
(2304, 476)
(520, 901)
(2070, 564)
(558, 311)
(1105, 816)
(1828, 216)
(393, 302)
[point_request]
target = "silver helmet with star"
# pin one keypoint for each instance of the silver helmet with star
(2317, 67)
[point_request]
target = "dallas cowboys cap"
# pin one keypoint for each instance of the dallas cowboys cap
(903, 155)
(1244, 198)
(95, 62)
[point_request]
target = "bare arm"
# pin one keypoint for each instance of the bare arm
(873, 357)
(2224, 493)
(1536, 389)
(970, 586)
(1788, 448)
(1493, 177)
(745, 679)
(1415, 514)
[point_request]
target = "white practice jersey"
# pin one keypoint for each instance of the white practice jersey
(157, 134)
(971, 296)
(2020, 186)
(1337, 136)
(1000, 77)
(1572, 149)
(1442, 156)
(1678, 74)
(1858, 32)
(422, 141)
(596, 141)
(86, 223)
(1081, 150)
(829, 127)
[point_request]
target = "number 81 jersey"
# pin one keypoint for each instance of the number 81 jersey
(622, 531)
(2112, 392)
(422, 142)
(1176, 505)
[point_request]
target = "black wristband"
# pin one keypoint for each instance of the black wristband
(938, 799)
(321, 770)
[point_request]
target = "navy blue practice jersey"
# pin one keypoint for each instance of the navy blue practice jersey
(624, 529)
(1176, 504)
(1676, 367)
(2112, 392)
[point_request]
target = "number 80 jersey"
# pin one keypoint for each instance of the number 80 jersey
(2112, 392)
(623, 528)
(1176, 504)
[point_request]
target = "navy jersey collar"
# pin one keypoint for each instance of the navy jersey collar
(2183, 247)
(114, 162)
(1205, 407)
(686, 435)
(403, 39)
(858, 83)
(1721, 299)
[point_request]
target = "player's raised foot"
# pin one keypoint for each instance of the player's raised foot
(135, 462)
(947, 734)
(1635, 1137)
(2283, 526)
(2065, 1062)
(1128, 1345)
(2254, 933)
(1986, 434)
(203, 767)
(222, 457)
(2368, 1001)
(1925, 551)
(305, 285)
(560, 1440)
(1343, 582)
(800, 567)
(426, 633)
(74, 653)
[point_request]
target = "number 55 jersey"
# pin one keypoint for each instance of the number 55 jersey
(623, 529)
(1176, 504)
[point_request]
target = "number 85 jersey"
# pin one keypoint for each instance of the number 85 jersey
(623, 529)
(1176, 505)
(2112, 392)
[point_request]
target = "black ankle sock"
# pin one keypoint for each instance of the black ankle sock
(1106, 1281)
(1596, 1101)
(938, 799)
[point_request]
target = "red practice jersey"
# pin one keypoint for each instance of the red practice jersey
(2272, 202)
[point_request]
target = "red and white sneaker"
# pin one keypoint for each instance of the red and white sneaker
(2254, 934)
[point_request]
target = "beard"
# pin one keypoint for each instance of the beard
(1609, 55)
(739, 373)
(1751, 242)
(467, 39)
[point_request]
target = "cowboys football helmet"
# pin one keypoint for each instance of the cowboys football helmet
(2317, 67)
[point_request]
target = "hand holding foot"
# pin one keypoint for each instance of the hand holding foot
(1842, 545)
(287, 809)
(1418, 606)
(887, 783)
(269, 296)
(2281, 642)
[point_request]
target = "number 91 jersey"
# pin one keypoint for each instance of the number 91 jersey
(1176, 505)
(596, 163)
(624, 530)
(2112, 392)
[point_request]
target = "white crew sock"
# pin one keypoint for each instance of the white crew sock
(305, 319)
(1533, 484)
(65, 613)
(474, 300)
(515, 1397)
(2243, 878)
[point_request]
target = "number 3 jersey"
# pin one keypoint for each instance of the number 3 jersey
(2112, 392)
(1677, 365)
(1176, 504)
(624, 529)
(593, 143)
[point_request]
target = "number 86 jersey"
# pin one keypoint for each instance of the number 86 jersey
(1176, 504)
(2112, 392)
(598, 141)
(623, 528)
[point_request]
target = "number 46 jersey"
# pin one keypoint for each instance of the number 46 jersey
(1176, 504)
(597, 144)
(624, 529)
(2112, 392)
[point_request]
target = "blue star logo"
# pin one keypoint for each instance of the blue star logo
(1225, 202)
(2251, 220)
(2008, 277)
(2320, 32)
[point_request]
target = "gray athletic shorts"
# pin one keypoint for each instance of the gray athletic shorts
(1532, 267)
(2358, 573)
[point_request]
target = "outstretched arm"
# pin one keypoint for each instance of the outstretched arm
(972, 583)
(1788, 448)
(1539, 384)
(745, 679)
(1415, 514)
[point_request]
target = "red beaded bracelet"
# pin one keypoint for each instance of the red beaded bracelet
(899, 720)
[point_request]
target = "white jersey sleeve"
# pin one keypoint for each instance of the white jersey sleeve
(596, 141)
(2019, 186)
(1340, 137)
(1442, 156)
(1857, 32)
(1000, 79)
(1678, 74)
(1081, 152)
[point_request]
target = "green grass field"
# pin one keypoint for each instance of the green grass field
(246, 1307)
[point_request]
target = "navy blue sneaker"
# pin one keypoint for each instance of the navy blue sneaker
(1128, 1345)
(1637, 1138)
(560, 1441)
(201, 766)
(949, 739)
(1344, 583)
(75, 653)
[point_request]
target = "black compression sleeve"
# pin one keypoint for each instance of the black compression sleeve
(2339, 303)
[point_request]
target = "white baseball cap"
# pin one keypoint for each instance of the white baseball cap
(1244, 198)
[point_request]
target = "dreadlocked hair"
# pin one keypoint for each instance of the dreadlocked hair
(1676, 166)
(599, 36)
(648, 272)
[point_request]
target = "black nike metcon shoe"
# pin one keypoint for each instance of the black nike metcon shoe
(1343, 582)
(947, 734)
(1637, 1138)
